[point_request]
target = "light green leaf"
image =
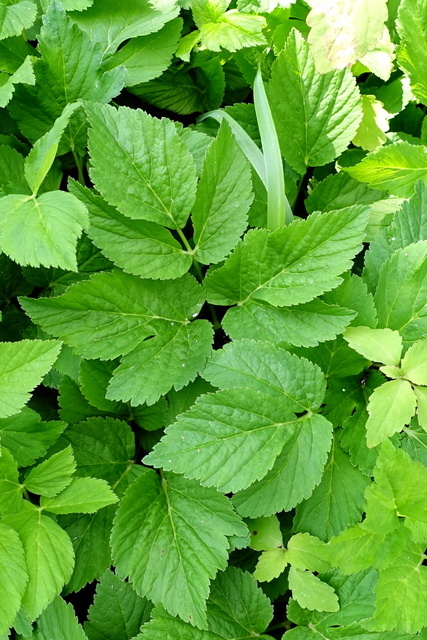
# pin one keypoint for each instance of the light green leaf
(146, 57)
(24, 74)
(228, 439)
(24, 364)
(82, 495)
(379, 345)
(380, 59)
(414, 363)
(394, 168)
(131, 154)
(343, 33)
(14, 18)
(10, 487)
(48, 554)
(263, 367)
(295, 473)
(60, 622)
(180, 517)
(173, 358)
(111, 23)
(270, 565)
(336, 502)
(307, 552)
(141, 248)
(316, 115)
(411, 55)
(265, 533)
(304, 324)
(374, 124)
(391, 407)
(111, 313)
(14, 576)
(236, 608)
(27, 437)
(208, 10)
(224, 195)
(52, 475)
(117, 611)
(53, 223)
(298, 262)
(421, 395)
(310, 592)
(232, 30)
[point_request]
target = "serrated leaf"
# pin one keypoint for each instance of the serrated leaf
(52, 475)
(138, 247)
(23, 366)
(316, 115)
(336, 502)
(391, 407)
(232, 30)
(82, 495)
(48, 554)
(270, 565)
(10, 487)
(414, 363)
(298, 262)
(374, 124)
(54, 221)
(297, 470)
(310, 592)
(16, 17)
(14, 576)
(117, 610)
(24, 74)
(236, 608)
(379, 345)
(109, 314)
(411, 54)
(224, 195)
(170, 510)
(394, 168)
(60, 622)
(421, 395)
(228, 439)
(131, 154)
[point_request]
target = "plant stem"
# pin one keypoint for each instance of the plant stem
(80, 166)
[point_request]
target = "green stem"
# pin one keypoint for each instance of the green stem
(80, 166)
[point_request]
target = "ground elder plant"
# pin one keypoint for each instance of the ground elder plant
(213, 336)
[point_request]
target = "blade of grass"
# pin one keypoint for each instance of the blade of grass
(279, 212)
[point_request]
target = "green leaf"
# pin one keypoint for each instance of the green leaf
(23, 366)
(263, 367)
(316, 115)
(414, 363)
(304, 324)
(171, 359)
(110, 23)
(117, 610)
(14, 576)
(270, 565)
(140, 248)
(230, 30)
(52, 475)
(82, 495)
(53, 222)
(336, 502)
(299, 262)
(131, 154)
(24, 74)
(305, 552)
(379, 345)
(10, 488)
(265, 533)
(310, 592)
(156, 531)
(236, 608)
(16, 17)
(60, 622)
(374, 124)
(394, 168)
(27, 437)
(224, 187)
(295, 473)
(411, 54)
(111, 313)
(421, 395)
(228, 439)
(48, 554)
(390, 408)
(146, 57)
(41, 157)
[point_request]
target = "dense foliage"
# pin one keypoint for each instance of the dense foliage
(213, 341)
